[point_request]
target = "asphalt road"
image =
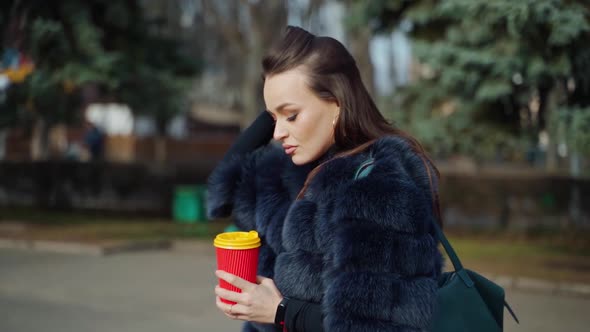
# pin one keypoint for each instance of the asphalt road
(171, 291)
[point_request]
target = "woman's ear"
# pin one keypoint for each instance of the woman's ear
(337, 104)
(336, 115)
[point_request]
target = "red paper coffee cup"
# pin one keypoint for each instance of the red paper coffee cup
(237, 253)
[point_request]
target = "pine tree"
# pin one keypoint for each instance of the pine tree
(492, 72)
(100, 43)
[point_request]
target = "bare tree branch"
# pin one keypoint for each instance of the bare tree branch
(229, 31)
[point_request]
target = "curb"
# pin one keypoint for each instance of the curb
(541, 286)
(194, 246)
(83, 248)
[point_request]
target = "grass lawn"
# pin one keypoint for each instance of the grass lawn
(560, 256)
(97, 228)
(549, 255)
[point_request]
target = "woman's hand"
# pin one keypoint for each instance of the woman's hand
(257, 302)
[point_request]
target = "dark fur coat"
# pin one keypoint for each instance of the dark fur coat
(363, 248)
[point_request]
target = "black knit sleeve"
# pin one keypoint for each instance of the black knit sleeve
(302, 316)
(235, 173)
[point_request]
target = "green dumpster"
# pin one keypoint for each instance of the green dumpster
(189, 204)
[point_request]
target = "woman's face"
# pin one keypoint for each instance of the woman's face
(304, 122)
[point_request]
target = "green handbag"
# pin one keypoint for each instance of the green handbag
(467, 301)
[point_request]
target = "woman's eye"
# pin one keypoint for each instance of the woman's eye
(274, 118)
(292, 118)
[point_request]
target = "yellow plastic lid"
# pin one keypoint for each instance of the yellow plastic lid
(237, 240)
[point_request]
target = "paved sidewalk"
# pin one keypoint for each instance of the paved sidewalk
(151, 291)
(509, 283)
(172, 291)
(63, 247)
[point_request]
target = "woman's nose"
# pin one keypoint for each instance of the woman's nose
(280, 132)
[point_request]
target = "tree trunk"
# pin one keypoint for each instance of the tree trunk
(549, 99)
(262, 16)
(3, 135)
(160, 152)
(244, 47)
(251, 94)
(575, 209)
(39, 140)
(251, 90)
(359, 47)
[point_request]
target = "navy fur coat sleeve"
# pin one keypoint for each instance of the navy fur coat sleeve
(365, 249)
(257, 189)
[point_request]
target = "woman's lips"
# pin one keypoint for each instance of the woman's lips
(290, 150)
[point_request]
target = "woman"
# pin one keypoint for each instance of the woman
(339, 253)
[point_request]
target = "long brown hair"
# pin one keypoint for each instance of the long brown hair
(332, 74)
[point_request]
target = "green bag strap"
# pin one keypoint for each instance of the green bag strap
(365, 168)
(459, 270)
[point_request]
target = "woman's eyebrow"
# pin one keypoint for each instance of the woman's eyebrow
(282, 106)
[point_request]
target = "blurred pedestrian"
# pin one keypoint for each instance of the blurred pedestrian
(94, 139)
(340, 252)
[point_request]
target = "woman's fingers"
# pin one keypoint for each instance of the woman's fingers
(267, 282)
(234, 280)
(226, 308)
(260, 279)
(233, 311)
(256, 302)
(228, 295)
